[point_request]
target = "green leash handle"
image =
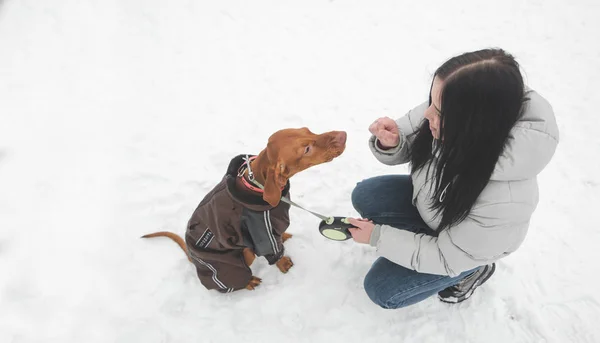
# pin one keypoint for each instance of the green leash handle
(336, 228)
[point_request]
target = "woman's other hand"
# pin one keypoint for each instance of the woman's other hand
(386, 131)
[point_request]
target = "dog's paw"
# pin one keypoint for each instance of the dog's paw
(253, 283)
(284, 264)
(286, 236)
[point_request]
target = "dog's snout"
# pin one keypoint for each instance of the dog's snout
(340, 138)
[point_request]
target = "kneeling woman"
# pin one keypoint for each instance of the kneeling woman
(475, 150)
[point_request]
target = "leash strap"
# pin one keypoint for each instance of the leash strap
(320, 216)
(283, 198)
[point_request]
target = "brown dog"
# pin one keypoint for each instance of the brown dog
(243, 217)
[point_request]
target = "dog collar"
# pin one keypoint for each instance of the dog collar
(251, 186)
(254, 186)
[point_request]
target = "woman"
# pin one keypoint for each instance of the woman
(475, 149)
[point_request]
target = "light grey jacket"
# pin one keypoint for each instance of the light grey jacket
(497, 223)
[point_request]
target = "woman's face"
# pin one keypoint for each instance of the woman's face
(432, 113)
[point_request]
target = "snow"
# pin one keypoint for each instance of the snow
(118, 116)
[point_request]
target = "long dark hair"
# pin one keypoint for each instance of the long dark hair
(481, 99)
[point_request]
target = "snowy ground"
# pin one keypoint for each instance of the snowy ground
(117, 116)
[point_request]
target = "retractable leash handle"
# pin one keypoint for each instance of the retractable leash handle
(336, 228)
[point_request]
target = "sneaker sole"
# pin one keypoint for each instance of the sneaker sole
(456, 300)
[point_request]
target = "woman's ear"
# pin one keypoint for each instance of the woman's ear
(274, 184)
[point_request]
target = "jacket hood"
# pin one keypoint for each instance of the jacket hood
(531, 142)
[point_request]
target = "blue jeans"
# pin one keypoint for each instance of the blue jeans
(388, 200)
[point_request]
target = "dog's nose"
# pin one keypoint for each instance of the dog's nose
(340, 138)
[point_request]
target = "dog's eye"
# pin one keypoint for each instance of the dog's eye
(307, 149)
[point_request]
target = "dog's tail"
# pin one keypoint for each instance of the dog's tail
(172, 236)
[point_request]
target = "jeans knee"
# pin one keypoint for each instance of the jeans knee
(355, 198)
(359, 194)
(375, 292)
(385, 293)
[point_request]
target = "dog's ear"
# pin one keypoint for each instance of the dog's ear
(273, 184)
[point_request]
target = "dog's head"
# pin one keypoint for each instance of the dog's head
(291, 151)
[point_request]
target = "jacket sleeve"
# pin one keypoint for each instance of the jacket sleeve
(463, 247)
(407, 125)
(279, 221)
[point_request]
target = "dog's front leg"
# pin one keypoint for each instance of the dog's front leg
(284, 264)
